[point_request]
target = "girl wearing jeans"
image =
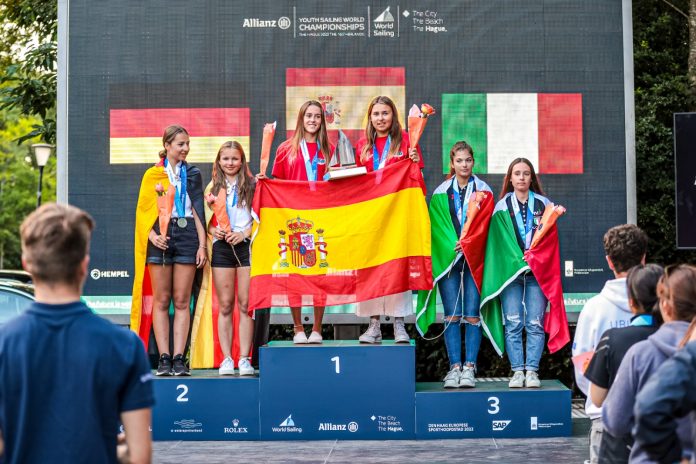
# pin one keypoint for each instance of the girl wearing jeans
(523, 302)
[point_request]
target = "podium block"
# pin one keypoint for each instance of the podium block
(338, 390)
(493, 410)
(206, 407)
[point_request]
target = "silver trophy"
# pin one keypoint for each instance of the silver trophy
(342, 163)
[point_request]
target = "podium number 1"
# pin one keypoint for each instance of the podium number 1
(337, 360)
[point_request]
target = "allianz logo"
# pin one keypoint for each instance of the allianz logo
(283, 22)
(330, 426)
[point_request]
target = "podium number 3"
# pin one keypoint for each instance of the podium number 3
(337, 360)
(182, 396)
(494, 403)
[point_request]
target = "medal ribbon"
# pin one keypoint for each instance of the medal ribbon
(525, 228)
(378, 161)
(458, 202)
(180, 184)
(231, 203)
(310, 168)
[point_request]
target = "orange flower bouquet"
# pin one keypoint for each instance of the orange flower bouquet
(219, 206)
(268, 134)
(551, 214)
(165, 205)
(417, 119)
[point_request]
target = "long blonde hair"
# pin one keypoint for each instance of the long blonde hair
(299, 135)
(371, 132)
(245, 181)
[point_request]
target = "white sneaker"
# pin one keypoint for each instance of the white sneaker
(517, 380)
(467, 379)
(245, 367)
(226, 367)
(532, 380)
(300, 338)
(400, 334)
(452, 378)
(315, 338)
(373, 334)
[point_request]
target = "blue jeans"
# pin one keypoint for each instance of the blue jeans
(524, 307)
(460, 298)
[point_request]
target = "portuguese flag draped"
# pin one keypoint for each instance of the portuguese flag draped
(444, 236)
(340, 242)
(504, 262)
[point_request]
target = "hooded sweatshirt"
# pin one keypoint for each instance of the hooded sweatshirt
(639, 364)
(605, 311)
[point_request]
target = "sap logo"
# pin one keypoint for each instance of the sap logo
(500, 425)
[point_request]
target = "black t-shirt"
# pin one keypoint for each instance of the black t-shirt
(611, 349)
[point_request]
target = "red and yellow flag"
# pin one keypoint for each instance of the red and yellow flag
(340, 242)
(135, 135)
(344, 94)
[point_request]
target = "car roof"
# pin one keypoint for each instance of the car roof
(12, 274)
(16, 285)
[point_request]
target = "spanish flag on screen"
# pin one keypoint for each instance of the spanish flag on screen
(340, 242)
(135, 135)
(545, 128)
(344, 94)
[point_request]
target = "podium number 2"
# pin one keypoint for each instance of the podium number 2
(337, 360)
(494, 403)
(182, 396)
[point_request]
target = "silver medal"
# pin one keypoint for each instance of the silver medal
(181, 222)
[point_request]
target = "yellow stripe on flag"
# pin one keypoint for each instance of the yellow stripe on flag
(357, 236)
(143, 150)
(345, 106)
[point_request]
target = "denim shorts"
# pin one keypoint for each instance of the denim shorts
(225, 255)
(182, 245)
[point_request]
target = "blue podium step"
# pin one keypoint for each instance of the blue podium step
(338, 390)
(206, 407)
(493, 410)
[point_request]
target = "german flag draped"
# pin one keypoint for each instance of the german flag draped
(340, 242)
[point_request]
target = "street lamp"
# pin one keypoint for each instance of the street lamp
(42, 151)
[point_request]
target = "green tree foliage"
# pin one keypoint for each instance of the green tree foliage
(28, 56)
(661, 51)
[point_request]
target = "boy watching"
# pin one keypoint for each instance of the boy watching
(67, 375)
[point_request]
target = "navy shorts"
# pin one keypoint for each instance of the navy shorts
(183, 244)
(225, 255)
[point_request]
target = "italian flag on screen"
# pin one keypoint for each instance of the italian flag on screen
(546, 128)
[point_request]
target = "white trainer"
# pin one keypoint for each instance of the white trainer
(532, 380)
(226, 367)
(315, 338)
(467, 379)
(400, 334)
(245, 367)
(373, 334)
(517, 380)
(452, 378)
(300, 338)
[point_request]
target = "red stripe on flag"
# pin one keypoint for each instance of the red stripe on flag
(395, 276)
(199, 122)
(391, 179)
(344, 76)
(560, 133)
(352, 134)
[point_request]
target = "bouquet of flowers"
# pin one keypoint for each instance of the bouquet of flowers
(417, 119)
(165, 205)
(218, 203)
(268, 134)
(551, 214)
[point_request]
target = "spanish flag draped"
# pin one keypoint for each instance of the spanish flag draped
(340, 242)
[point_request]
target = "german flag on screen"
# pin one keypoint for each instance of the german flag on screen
(135, 135)
(340, 242)
(546, 128)
(344, 94)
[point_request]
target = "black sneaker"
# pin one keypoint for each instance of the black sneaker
(164, 367)
(179, 365)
